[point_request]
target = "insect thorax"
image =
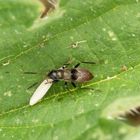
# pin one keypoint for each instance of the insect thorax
(55, 74)
(74, 75)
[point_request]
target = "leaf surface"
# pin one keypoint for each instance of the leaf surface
(106, 32)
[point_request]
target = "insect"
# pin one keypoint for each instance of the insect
(49, 5)
(132, 116)
(73, 75)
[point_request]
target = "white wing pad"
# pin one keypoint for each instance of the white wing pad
(41, 91)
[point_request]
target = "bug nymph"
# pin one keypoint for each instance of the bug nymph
(74, 75)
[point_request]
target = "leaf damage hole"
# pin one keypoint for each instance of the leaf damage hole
(6, 63)
(77, 44)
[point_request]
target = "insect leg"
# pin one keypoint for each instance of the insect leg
(73, 84)
(66, 85)
(55, 81)
(88, 62)
(77, 65)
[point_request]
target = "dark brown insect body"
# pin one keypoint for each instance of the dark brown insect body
(75, 75)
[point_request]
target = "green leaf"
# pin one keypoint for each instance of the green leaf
(108, 32)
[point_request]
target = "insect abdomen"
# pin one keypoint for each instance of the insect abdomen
(81, 75)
